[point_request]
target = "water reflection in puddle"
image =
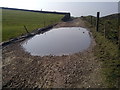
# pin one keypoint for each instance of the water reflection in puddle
(58, 41)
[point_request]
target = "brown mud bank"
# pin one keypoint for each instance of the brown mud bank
(79, 70)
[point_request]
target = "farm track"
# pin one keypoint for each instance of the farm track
(80, 70)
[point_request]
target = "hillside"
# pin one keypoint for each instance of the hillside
(14, 20)
(112, 16)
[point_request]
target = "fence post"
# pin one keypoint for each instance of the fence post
(119, 25)
(26, 29)
(97, 22)
(44, 23)
(91, 20)
(119, 38)
(105, 30)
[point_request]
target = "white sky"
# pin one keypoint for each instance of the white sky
(52, 6)
(35, 3)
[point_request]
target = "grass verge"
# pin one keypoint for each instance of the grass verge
(108, 53)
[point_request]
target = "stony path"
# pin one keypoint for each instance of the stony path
(80, 70)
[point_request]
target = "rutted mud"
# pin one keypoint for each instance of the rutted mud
(80, 70)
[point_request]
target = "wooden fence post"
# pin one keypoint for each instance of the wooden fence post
(105, 30)
(26, 29)
(97, 22)
(119, 38)
(119, 30)
(44, 23)
(91, 20)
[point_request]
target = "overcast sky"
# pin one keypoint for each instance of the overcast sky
(75, 7)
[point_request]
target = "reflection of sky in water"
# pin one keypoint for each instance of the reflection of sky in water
(58, 42)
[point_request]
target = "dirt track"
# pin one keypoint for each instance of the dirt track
(80, 70)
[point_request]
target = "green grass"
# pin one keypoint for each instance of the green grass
(108, 53)
(109, 23)
(14, 20)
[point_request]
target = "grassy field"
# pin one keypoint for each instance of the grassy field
(106, 49)
(13, 22)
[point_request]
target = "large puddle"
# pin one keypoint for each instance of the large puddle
(58, 41)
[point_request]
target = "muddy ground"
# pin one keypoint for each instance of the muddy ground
(80, 70)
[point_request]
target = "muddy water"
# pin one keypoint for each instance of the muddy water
(58, 41)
